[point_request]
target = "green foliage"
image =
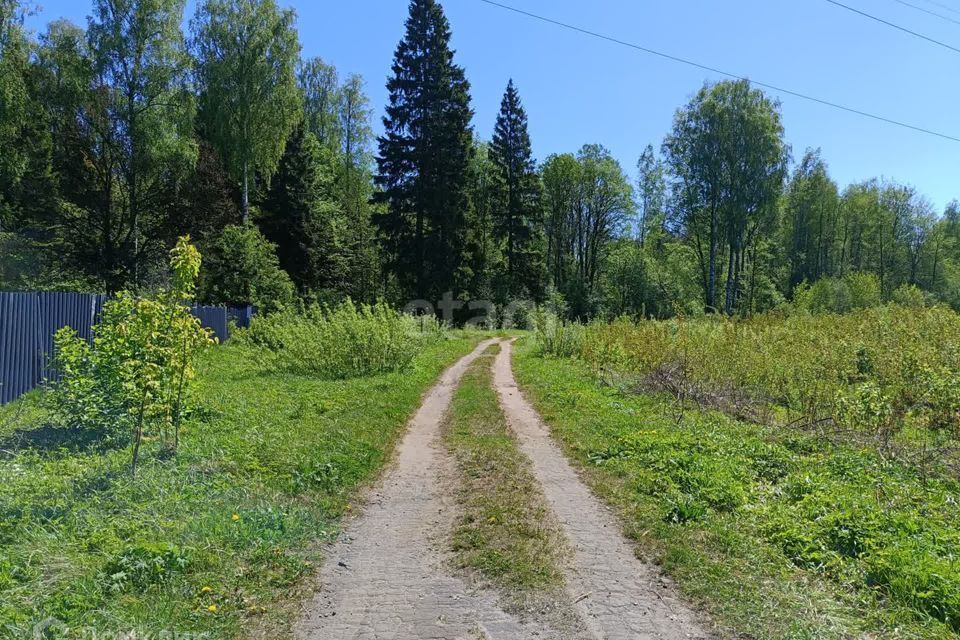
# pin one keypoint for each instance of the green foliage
(879, 367)
(839, 295)
(302, 217)
(484, 267)
(347, 341)
(322, 101)
(424, 159)
(587, 199)
(247, 53)
(518, 213)
(140, 63)
(268, 465)
(780, 532)
(910, 295)
(556, 336)
(729, 159)
(135, 377)
(242, 268)
(139, 567)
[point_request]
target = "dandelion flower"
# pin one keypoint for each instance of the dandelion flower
(235, 517)
(206, 590)
(212, 608)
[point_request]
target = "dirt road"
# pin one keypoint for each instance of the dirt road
(618, 596)
(389, 577)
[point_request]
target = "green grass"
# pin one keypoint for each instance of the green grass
(221, 539)
(505, 534)
(776, 534)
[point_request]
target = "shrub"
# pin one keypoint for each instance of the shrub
(135, 376)
(555, 336)
(347, 341)
(910, 295)
(838, 294)
(242, 268)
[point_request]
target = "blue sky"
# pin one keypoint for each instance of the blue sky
(581, 90)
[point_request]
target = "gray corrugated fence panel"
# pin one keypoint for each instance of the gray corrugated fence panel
(58, 310)
(242, 316)
(214, 318)
(19, 344)
(28, 322)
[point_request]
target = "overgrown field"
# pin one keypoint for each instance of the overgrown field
(888, 375)
(792, 473)
(217, 539)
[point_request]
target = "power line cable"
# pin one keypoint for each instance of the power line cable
(895, 26)
(943, 6)
(735, 76)
(927, 11)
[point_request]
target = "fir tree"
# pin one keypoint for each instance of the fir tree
(519, 213)
(424, 158)
(484, 261)
(303, 218)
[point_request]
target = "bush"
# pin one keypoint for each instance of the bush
(838, 295)
(347, 341)
(242, 269)
(910, 295)
(555, 336)
(135, 377)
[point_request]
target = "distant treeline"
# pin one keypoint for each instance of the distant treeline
(122, 136)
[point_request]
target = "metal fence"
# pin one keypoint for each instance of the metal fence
(28, 322)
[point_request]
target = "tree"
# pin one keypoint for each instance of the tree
(321, 101)
(140, 62)
(651, 193)
(485, 261)
(303, 218)
(812, 217)
(13, 105)
(26, 180)
(424, 158)
(728, 158)
(247, 52)
(359, 241)
(241, 268)
(519, 215)
(588, 201)
(89, 229)
(208, 201)
(562, 177)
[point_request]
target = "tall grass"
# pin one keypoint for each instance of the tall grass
(556, 336)
(886, 373)
(347, 341)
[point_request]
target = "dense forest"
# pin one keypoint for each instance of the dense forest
(122, 135)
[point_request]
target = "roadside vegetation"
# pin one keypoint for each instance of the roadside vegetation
(343, 342)
(505, 535)
(794, 474)
(221, 537)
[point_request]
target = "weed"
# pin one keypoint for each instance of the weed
(779, 533)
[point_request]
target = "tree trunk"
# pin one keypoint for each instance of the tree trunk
(731, 269)
(245, 197)
(712, 273)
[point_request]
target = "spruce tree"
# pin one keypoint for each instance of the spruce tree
(519, 213)
(484, 263)
(303, 218)
(424, 157)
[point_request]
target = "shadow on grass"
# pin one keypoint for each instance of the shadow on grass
(48, 438)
